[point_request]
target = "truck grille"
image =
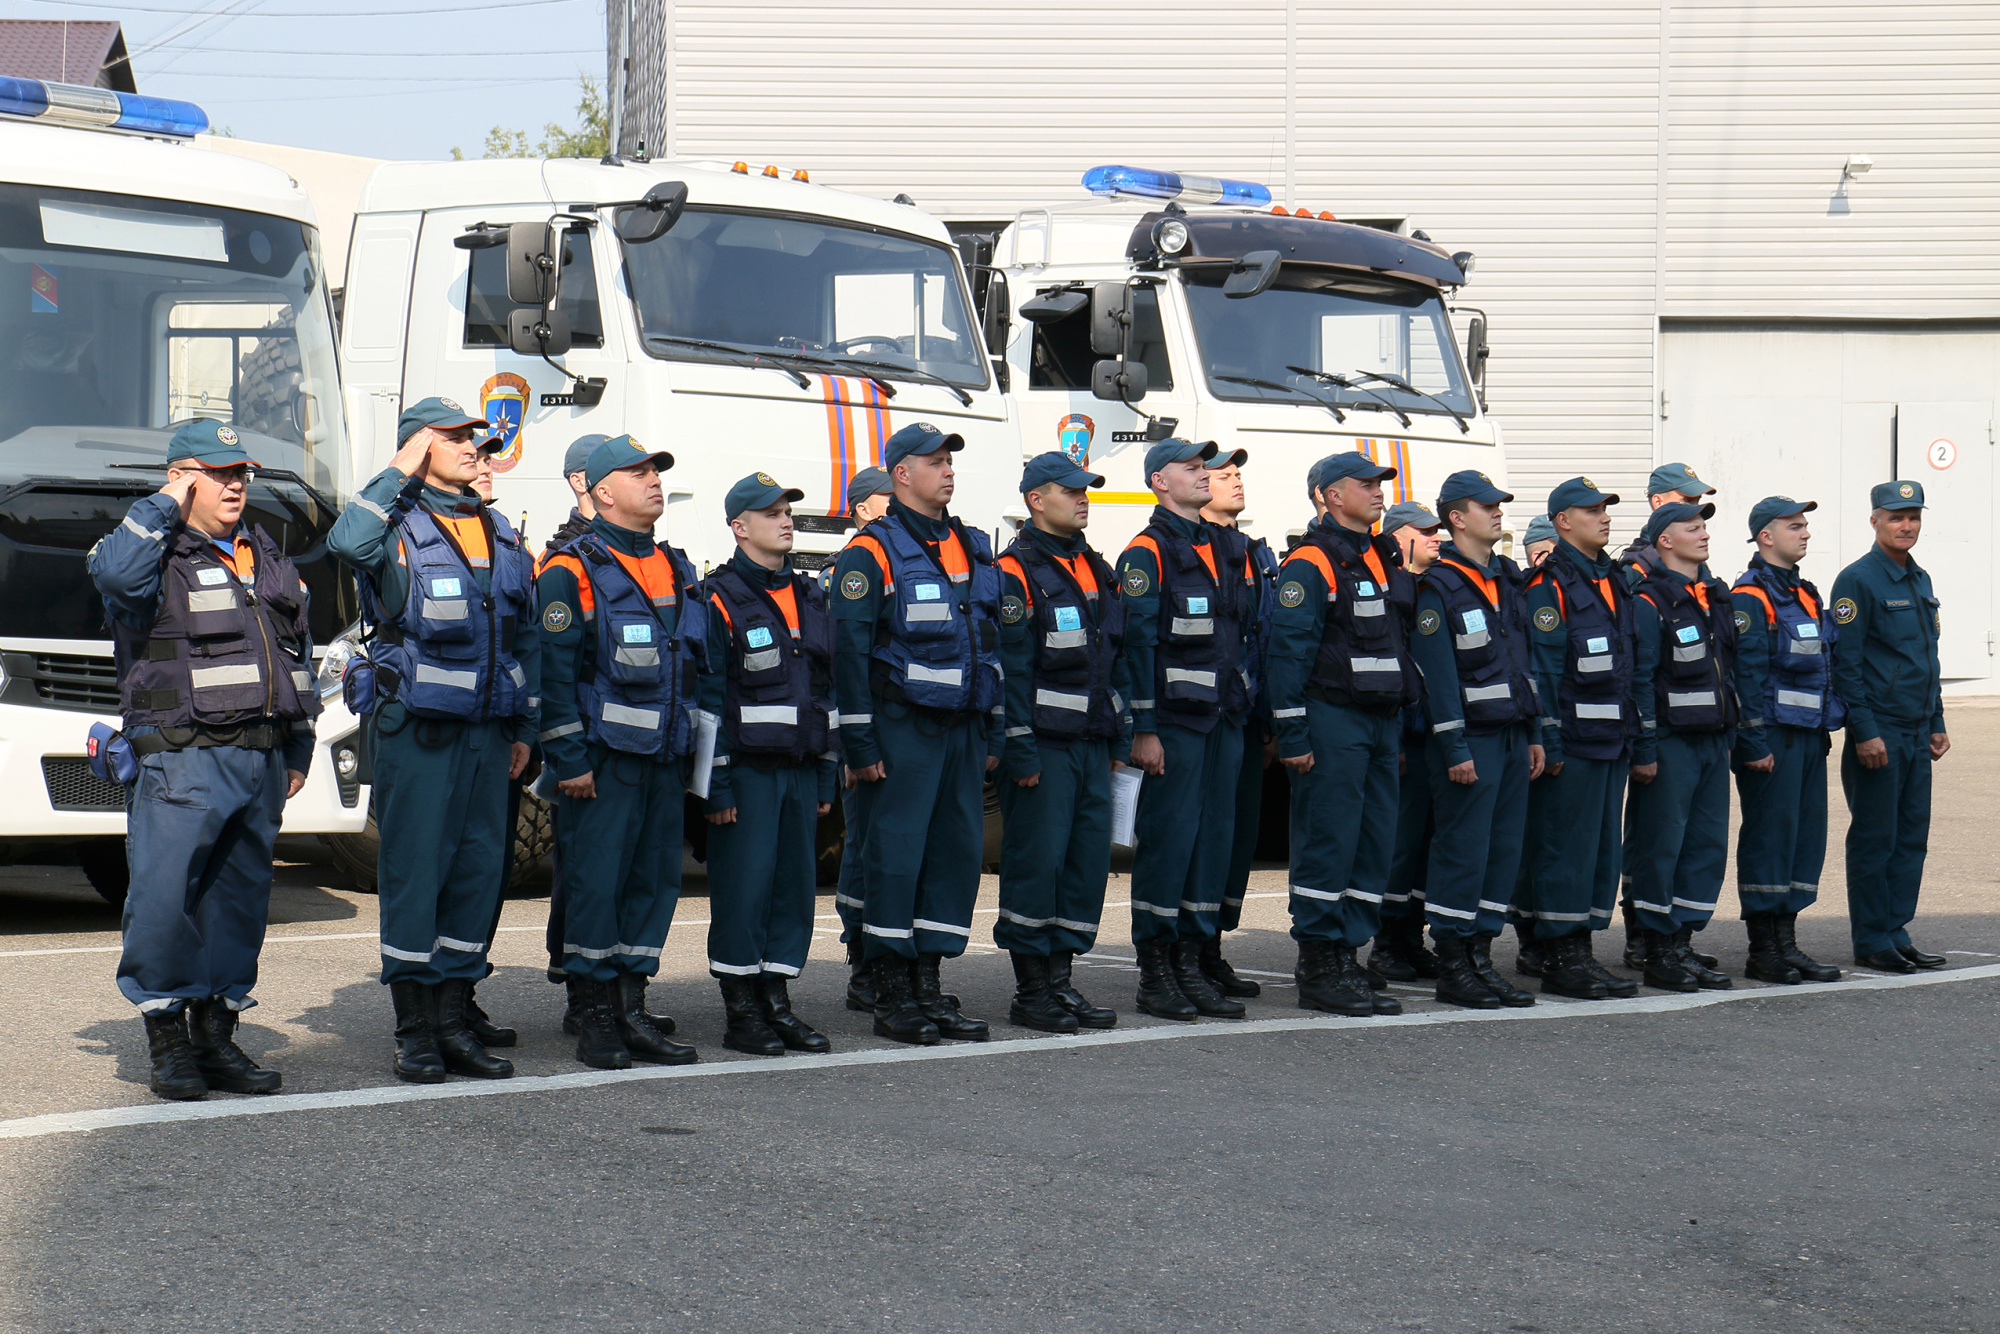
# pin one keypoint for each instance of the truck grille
(73, 787)
(73, 681)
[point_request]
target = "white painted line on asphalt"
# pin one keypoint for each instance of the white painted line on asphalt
(67, 1123)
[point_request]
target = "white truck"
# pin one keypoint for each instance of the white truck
(144, 282)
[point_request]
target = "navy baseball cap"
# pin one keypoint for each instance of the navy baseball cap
(869, 482)
(577, 457)
(1577, 492)
(1470, 484)
(1235, 458)
(1059, 468)
(1541, 528)
(1897, 496)
(1672, 512)
(622, 451)
(1175, 450)
(1353, 463)
(1776, 507)
(439, 413)
(1407, 514)
(207, 442)
(1676, 477)
(758, 491)
(918, 438)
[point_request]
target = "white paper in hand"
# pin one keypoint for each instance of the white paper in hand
(1125, 782)
(704, 753)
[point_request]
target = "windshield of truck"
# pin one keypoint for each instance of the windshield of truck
(771, 284)
(1333, 323)
(123, 317)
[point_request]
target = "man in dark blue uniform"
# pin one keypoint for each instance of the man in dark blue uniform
(1341, 676)
(455, 665)
(1061, 623)
(1479, 692)
(1885, 669)
(224, 738)
(868, 497)
(769, 695)
(1785, 635)
(917, 678)
(1399, 954)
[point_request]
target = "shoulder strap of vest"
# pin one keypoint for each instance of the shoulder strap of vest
(1754, 586)
(1310, 551)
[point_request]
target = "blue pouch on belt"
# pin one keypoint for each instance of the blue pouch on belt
(357, 687)
(111, 754)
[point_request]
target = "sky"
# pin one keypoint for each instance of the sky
(382, 78)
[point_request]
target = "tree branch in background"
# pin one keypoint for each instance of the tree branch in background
(591, 137)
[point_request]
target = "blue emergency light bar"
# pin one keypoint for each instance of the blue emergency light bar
(99, 108)
(1173, 185)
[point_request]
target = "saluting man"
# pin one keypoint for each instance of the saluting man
(1399, 954)
(917, 677)
(1190, 594)
(1785, 635)
(1885, 669)
(868, 496)
(1341, 676)
(208, 623)
(623, 620)
(1061, 624)
(770, 697)
(1472, 648)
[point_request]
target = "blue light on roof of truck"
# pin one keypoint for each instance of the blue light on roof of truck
(99, 108)
(160, 115)
(1112, 180)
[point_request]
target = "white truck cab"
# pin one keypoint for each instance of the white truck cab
(743, 320)
(1169, 304)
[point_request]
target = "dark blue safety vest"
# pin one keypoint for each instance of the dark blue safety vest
(941, 648)
(1075, 647)
(1363, 660)
(1199, 659)
(1594, 707)
(778, 691)
(448, 651)
(1489, 642)
(636, 692)
(1798, 684)
(219, 653)
(1693, 689)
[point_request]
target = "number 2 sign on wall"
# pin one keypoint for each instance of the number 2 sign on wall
(1942, 454)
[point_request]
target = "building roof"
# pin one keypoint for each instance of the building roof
(61, 51)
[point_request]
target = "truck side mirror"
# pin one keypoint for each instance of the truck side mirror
(530, 267)
(1118, 381)
(1252, 274)
(534, 332)
(655, 215)
(1476, 350)
(1110, 317)
(996, 322)
(1052, 307)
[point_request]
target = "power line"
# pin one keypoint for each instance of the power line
(349, 78)
(327, 13)
(378, 55)
(346, 97)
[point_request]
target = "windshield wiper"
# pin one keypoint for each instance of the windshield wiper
(1341, 381)
(1256, 383)
(1398, 382)
(751, 353)
(916, 373)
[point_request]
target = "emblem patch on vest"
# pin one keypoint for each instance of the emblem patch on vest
(854, 585)
(1428, 622)
(1136, 582)
(555, 617)
(1546, 618)
(1012, 609)
(1742, 622)
(1844, 610)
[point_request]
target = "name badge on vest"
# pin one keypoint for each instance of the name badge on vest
(1475, 621)
(1067, 619)
(1364, 589)
(928, 592)
(211, 575)
(1689, 633)
(444, 588)
(1197, 606)
(758, 637)
(1597, 645)
(1808, 631)
(641, 633)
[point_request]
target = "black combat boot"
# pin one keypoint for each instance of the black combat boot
(1399, 954)
(1195, 986)
(1704, 973)
(1636, 948)
(461, 1051)
(1457, 983)
(643, 1036)
(1664, 966)
(1159, 994)
(418, 1060)
(1788, 948)
(860, 977)
(1565, 974)
(1533, 954)
(794, 1032)
(747, 1032)
(223, 1064)
(896, 1014)
(1767, 963)
(1379, 999)
(175, 1075)
(940, 1007)
(1329, 979)
(1033, 1006)
(1509, 995)
(1616, 987)
(598, 1042)
(1066, 995)
(482, 1027)
(1217, 970)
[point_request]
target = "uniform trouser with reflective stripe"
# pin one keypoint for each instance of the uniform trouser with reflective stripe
(1521, 912)
(1476, 852)
(847, 891)
(1342, 831)
(1888, 833)
(1055, 854)
(1781, 846)
(926, 833)
(441, 808)
(1409, 858)
(553, 938)
(760, 872)
(514, 791)
(199, 825)
(1679, 838)
(1243, 835)
(1578, 854)
(1186, 828)
(621, 865)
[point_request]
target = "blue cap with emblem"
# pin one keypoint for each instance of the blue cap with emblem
(1058, 468)
(1471, 484)
(440, 414)
(1776, 507)
(1173, 449)
(1674, 511)
(209, 443)
(1578, 493)
(1676, 477)
(868, 482)
(1541, 528)
(758, 491)
(1897, 496)
(577, 457)
(1353, 463)
(918, 438)
(1235, 458)
(1407, 514)
(622, 451)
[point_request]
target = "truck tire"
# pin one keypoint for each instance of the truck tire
(534, 840)
(104, 866)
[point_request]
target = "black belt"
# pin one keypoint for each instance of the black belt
(250, 736)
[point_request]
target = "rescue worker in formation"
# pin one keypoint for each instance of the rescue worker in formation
(1684, 689)
(1581, 617)
(1785, 635)
(769, 694)
(215, 683)
(1885, 669)
(917, 677)
(1341, 676)
(1061, 623)
(1260, 749)
(454, 670)
(625, 631)
(1190, 592)
(1537, 542)
(1479, 692)
(1399, 954)
(868, 497)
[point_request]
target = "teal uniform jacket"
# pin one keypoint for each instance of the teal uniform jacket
(1139, 579)
(1548, 641)
(1885, 664)
(1022, 754)
(1645, 666)
(1298, 624)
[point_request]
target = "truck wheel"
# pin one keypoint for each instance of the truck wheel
(989, 858)
(104, 866)
(534, 839)
(356, 854)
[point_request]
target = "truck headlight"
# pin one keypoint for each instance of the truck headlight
(346, 761)
(333, 664)
(1171, 236)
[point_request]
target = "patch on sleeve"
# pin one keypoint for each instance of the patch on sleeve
(556, 617)
(854, 585)
(1546, 618)
(1291, 593)
(1428, 622)
(1137, 584)
(1844, 610)
(1012, 609)
(1742, 622)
